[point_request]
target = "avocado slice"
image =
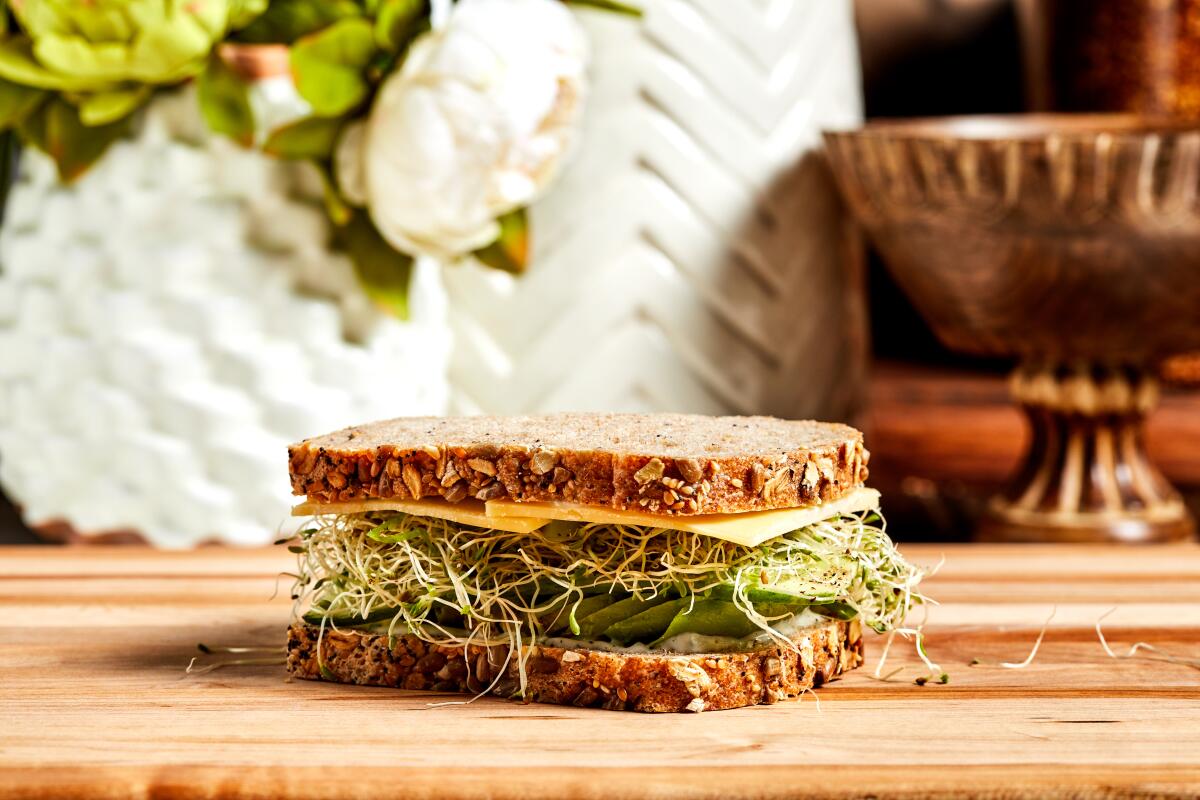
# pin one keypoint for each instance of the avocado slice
(646, 626)
(349, 619)
(710, 618)
(596, 623)
(843, 611)
(568, 615)
(788, 591)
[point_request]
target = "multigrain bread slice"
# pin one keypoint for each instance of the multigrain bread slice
(582, 677)
(662, 463)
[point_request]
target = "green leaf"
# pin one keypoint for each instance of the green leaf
(336, 206)
(172, 51)
(18, 65)
(384, 272)
(101, 108)
(244, 12)
(285, 21)
(16, 102)
(74, 55)
(225, 102)
(836, 610)
(309, 138)
(510, 251)
(607, 5)
(55, 128)
(398, 21)
(328, 66)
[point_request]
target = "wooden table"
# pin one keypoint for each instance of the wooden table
(94, 701)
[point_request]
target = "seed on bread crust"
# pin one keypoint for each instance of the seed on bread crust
(613, 461)
(493, 491)
(651, 471)
(412, 480)
(450, 476)
(689, 468)
(810, 476)
(650, 682)
(758, 477)
(482, 465)
(543, 461)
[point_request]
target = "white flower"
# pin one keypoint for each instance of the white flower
(473, 125)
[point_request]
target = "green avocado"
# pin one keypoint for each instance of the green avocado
(595, 624)
(710, 618)
(565, 619)
(347, 618)
(790, 591)
(646, 626)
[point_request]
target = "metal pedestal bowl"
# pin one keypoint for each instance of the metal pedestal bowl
(1073, 243)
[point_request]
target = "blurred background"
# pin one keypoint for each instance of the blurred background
(738, 289)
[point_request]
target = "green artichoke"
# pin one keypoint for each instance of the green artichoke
(121, 46)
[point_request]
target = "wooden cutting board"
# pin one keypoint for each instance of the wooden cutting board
(94, 701)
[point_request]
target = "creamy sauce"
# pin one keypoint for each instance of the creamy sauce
(691, 643)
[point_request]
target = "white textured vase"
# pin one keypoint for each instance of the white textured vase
(169, 323)
(694, 255)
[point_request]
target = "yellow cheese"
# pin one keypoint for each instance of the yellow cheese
(469, 512)
(751, 528)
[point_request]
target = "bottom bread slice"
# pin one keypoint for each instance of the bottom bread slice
(584, 677)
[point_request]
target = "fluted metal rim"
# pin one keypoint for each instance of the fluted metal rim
(1089, 169)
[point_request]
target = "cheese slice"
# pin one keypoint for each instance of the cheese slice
(750, 528)
(470, 512)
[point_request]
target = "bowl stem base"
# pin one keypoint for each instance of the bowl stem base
(1086, 476)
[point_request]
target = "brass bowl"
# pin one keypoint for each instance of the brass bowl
(1071, 242)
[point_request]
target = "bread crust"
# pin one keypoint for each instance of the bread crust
(660, 463)
(653, 682)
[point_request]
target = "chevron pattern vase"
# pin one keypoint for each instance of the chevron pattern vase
(693, 256)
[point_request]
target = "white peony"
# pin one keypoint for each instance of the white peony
(473, 125)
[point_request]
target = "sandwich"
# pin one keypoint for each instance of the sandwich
(644, 562)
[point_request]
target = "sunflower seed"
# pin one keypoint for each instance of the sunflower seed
(492, 491)
(543, 461)
(689, 468)
(758, 478)
(776, 489)
(451, 476)
(309, 461)
(810, 476)
(482, 465)
(651, 471)
(412, 480)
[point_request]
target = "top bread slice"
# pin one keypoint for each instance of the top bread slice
(660, 463)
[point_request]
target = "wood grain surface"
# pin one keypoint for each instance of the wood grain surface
(94, 701)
